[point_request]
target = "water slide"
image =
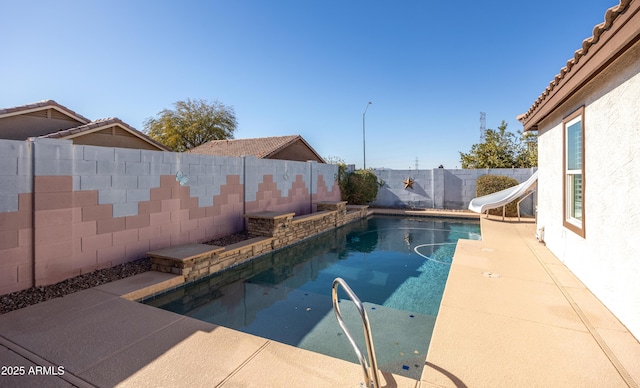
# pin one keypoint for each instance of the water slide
(503, 197)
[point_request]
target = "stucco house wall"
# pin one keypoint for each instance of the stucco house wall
(48, 119)
(607, 259)
(299, 151)
(21, 127)
(114, 137)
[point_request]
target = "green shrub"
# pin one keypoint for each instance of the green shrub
(359, 187)
(489, 184)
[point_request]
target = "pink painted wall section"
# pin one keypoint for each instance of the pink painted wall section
(53, 234)
(75, 234)
(270, 198)
(325, 195)
(16, 250)
(297, 199)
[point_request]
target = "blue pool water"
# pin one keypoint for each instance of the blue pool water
(397, 266)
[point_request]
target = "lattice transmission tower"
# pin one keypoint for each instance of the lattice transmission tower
(483, 125)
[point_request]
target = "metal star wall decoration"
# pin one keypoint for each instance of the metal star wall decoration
(408, 183)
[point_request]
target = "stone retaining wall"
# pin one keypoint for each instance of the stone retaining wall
(214, 260)
(287, 228)
(270, 231)
(280, 266)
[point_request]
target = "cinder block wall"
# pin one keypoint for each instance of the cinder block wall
(95, 207)
(441, 188)
(16, 219)
(288, 186)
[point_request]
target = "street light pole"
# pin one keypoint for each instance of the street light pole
(364, 149)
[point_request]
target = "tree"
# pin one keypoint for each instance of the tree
(502, 149)
(334, 160)
(528, 152)
(192, 123)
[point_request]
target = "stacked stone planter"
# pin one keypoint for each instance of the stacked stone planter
(268, 231)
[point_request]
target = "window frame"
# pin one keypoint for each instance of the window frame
(574, 224)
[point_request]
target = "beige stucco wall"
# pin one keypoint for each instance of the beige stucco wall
(607, 260)
(21, 127)
(297, 151)
(114, 137)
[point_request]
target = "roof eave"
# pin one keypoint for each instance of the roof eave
(44, 105)
(293, 140)
(320, 158)
(282, 146)
(108, 124)
(611, 39)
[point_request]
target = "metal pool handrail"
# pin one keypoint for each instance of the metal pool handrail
(370, 376)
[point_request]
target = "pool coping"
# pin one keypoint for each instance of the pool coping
(430, 213)
(102, 339)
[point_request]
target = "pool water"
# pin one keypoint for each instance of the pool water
(398, 267)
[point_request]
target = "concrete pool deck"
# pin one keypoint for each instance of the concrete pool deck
(511, 315)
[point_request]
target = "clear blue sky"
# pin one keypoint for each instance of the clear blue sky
(305, 67)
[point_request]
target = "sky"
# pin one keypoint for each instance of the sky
(306, 67)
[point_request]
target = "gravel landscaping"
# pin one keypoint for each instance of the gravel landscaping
(19, 299)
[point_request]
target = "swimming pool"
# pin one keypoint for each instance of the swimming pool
(397, 266)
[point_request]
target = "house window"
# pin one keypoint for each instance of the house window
(573, 139)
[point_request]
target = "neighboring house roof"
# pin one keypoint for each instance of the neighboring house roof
(42, 105)
(262, 147)
(100, 125)
(620, 29)
(48, 119)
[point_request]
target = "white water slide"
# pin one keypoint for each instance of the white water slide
(503, 197)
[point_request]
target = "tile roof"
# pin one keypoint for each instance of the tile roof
(610, 16)
(261, 147)
(100, 124)
(42, 105)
